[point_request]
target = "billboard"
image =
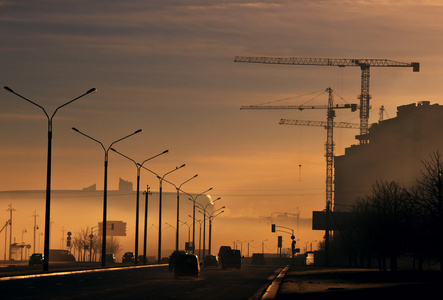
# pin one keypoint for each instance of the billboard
(113, 228)
(336, 220)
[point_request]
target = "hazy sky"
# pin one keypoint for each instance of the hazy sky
(167, 67)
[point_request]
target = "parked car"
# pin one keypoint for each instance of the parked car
(36, 259)
(109, 258)
(173, 257)
(187, 265)
(128, 257)
(210, 261)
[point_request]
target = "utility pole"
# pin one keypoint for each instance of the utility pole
(35, 226)
(10, 209)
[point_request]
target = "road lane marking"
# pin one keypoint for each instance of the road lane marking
(76, 272)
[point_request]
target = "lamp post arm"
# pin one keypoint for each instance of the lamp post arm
(101, 144)
(166, 151)
(125, 137)
(200, 206)
(137, 166)
(193, 199)
(217, 214)
(30, 101)
(219, 198)
(216, 211)
(179, 187)
(149, 171)
(176, 168)
(93, 90)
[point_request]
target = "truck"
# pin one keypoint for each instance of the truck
(229, 258)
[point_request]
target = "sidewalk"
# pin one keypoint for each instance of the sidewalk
(319, 282)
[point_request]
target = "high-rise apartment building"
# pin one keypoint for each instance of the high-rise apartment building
(396, 150)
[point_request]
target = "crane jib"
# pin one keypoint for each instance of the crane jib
(353, 107)
(339, 62)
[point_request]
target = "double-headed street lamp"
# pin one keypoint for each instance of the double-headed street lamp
(204, 212)
(178, 188)
(211, 217)
(138, 166)
(193, 199)
(161, 178)
(105, 185)
(48, 169)
(199, 234)
(189, 229)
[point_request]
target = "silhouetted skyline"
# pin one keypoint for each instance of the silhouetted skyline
(167, 68)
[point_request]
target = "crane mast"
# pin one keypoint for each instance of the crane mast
(364, 65)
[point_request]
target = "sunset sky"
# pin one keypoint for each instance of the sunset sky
(167, 67)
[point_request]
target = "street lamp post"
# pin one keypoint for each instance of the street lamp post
(199, 233)
(35, 228)
(178, 208)
(248, 246)
(48, 169)
(204, 222)
(161, 178)
(105, 185)
(189, 229)
(193, 199)
(138, 166)
(211, 217)
(145, 235)
(263, 246)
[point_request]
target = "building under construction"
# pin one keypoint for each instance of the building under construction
(396, 150)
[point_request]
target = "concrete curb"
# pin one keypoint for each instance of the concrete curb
(272, 290)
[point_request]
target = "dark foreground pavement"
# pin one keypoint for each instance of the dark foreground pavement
(319, 283)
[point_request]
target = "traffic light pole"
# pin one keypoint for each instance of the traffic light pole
(273, 229)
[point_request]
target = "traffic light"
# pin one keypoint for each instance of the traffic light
(68, 239)
(272, 227)
(293, 247)
(280, 241)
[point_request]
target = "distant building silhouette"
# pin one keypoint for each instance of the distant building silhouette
(124, 185)
(395, 151)
(90, 188)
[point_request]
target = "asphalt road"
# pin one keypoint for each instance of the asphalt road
(351, 283)
(142, 283)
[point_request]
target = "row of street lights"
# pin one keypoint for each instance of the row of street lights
(138, 166)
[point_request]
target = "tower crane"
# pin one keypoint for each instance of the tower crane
(330, 132)
(364, 65)
(329, 140)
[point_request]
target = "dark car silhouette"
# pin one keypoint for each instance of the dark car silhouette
(36, 259)
(210, 261)
(128, 257)
(109, 258)
(173, 257)
(187, 265)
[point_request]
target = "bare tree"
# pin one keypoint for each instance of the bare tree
(381, 222)
(429, 202)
